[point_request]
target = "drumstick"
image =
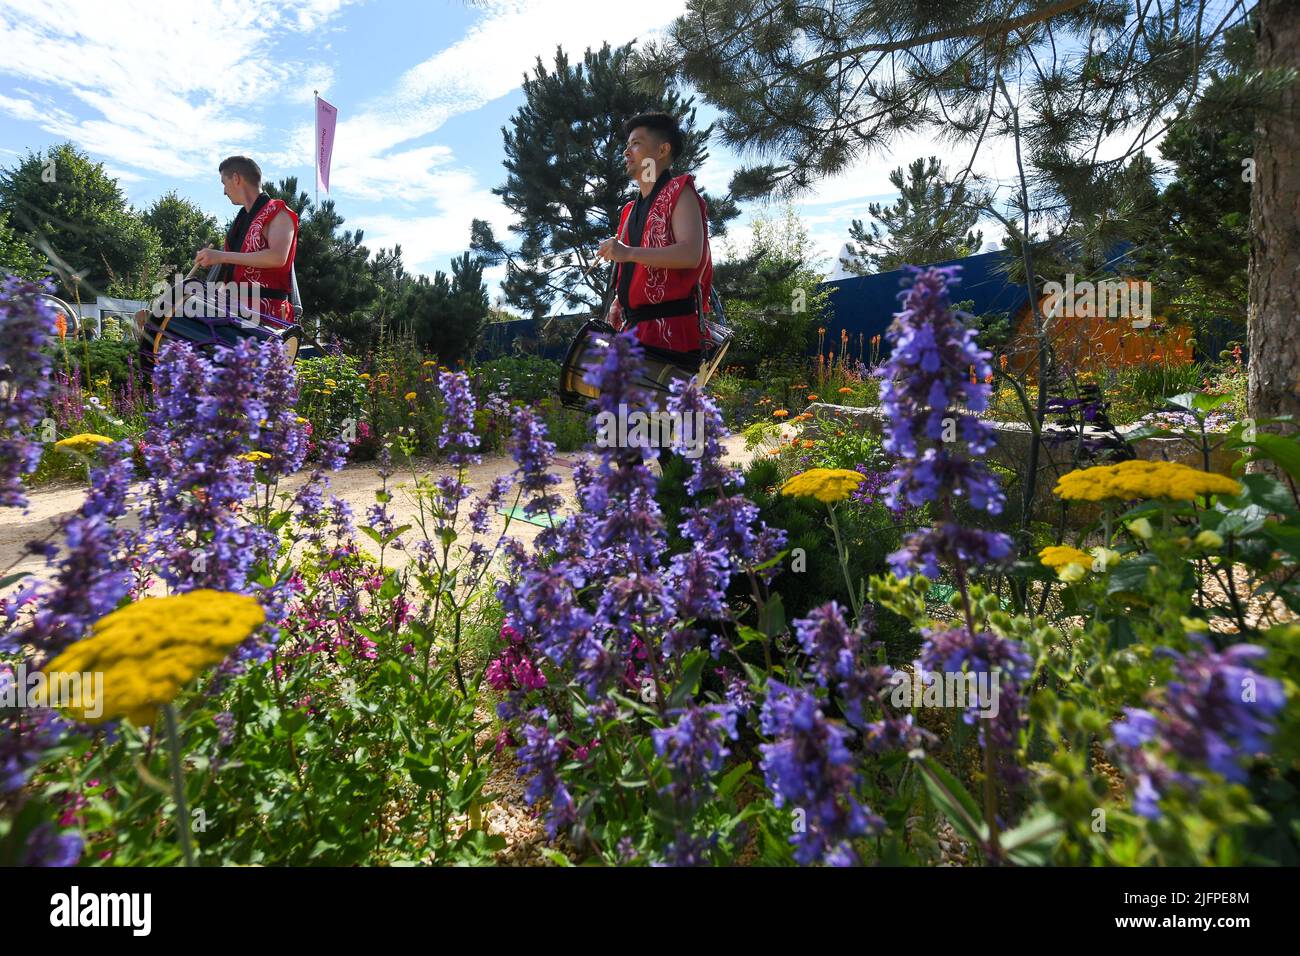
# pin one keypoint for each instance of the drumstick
(585, 272)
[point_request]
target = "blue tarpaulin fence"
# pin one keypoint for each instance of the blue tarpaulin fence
(862, 305)
(865, 305)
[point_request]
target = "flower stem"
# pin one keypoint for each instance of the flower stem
(178, 785)
(844, 565)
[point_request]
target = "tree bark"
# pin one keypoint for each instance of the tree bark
(1273, 322)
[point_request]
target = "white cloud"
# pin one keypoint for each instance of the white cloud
(169, 89)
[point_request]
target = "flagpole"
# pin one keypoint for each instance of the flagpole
(315, 162)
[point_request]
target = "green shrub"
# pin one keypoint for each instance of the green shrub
(106, 357)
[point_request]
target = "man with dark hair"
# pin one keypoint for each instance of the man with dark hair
(261, 243)
(663, 269)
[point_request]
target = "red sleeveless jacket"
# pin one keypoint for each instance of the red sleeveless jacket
(277, 312)
(652, 285)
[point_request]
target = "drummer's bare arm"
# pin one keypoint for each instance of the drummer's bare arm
(685, 253)
(279, 236)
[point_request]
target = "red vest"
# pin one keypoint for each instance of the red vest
(277, 312)
(652, 285)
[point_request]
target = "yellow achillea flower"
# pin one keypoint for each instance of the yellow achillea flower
(410, 396)
(827, 485)
(430, 364)
(255, 456)
(331, 383)
(1057, 557)
(83, 443)
(148, 650)
(1141, 480)
(364, 376)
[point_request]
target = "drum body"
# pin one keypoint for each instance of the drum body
(717, 339)
(659, 367)
(203, 332)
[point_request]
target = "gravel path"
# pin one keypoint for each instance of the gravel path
(355, 483)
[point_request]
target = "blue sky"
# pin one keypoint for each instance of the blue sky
(160, 92)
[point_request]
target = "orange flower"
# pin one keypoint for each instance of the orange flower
(839, 434)
(808, 443)
(1003, 360)
(973, 380)
(845, 390)
(780, 413)
(812, 398)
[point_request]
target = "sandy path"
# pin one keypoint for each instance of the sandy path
(355, 484)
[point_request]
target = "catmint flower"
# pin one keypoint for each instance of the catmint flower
(540, 757)
(694, 747)
(809, 768)
(26, 324)
(928, 396)
(1217, 712)
(1008, 669)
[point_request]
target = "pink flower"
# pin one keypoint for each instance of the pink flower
(498, 675)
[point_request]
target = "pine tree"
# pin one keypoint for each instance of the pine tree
(567, 182)
(447, 313)
(931, 221)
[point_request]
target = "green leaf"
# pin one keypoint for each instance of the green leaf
(1184, 400)
(733, 779)
(1285, 536)
(1130, 575)
(1031, 843)
(1284, 451)
(1202, 402)
(771, 619)
(957, 805)
(685, 688)
(13, 578)
(391, 588)
(770, 562)
(556, 857)
(1267, 491)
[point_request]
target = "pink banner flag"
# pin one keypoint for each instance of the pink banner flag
(326, 117)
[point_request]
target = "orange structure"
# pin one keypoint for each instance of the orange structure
(1117, 337)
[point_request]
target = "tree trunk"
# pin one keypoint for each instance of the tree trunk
(1273, 324)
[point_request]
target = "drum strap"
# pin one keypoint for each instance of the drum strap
(295, 298)
(664, 310)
